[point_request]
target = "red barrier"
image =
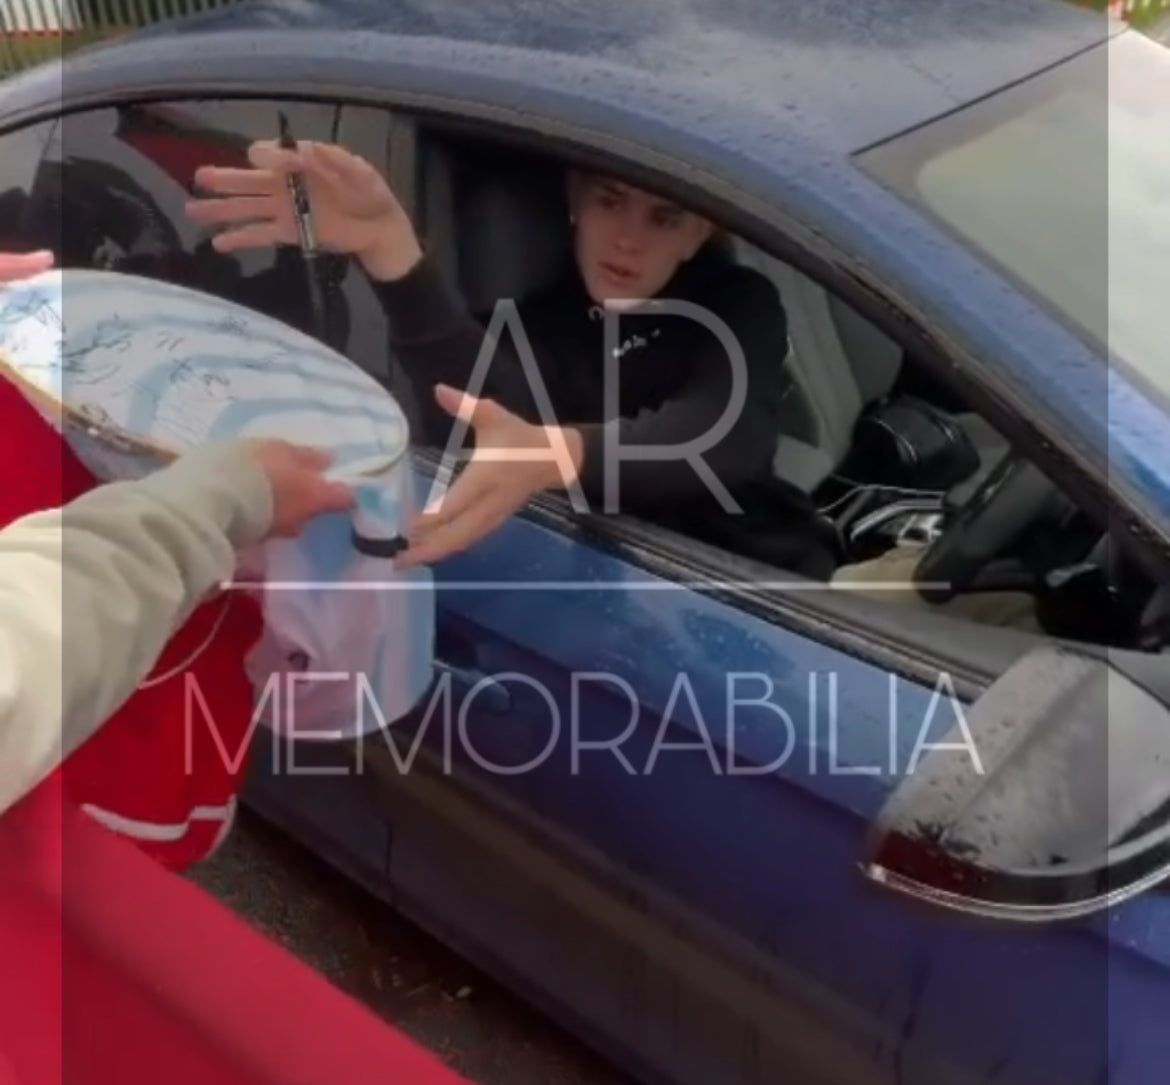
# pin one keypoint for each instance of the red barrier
(114, 971)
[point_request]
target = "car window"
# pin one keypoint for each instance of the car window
(111, 190)
(21, 152)
(1064, 181)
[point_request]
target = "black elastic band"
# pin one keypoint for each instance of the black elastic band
(378, 548)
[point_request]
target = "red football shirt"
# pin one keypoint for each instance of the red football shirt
(166, 768)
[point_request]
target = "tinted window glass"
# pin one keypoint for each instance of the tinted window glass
(20, 157)
(1064, 181)
(111, 192)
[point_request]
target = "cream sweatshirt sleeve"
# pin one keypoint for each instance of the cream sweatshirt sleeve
(90, 594)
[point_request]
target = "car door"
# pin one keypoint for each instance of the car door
(728, 768)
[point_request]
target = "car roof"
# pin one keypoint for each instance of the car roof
(842, 74)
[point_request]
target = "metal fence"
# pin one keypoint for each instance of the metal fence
(37, 30)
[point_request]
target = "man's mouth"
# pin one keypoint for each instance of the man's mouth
(617, 274)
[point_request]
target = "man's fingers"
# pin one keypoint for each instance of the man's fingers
(327, 161)
(23, 260)
(469, 488)
(258, 235)
(471, 409)
(232, 209)
(342, 166)
(334, 165)
(267, 154)
(18, 265)
(326, 173)
(332, 497)
(456, 403)
(225, 181)
(460, 533)
(312, 459)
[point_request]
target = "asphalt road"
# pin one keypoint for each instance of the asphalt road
(402, 974)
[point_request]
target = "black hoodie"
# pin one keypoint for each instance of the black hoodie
(673, 377)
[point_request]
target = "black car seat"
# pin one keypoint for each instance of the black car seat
(496, 220)
(841, 364)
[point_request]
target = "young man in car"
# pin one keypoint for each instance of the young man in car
(671, 412)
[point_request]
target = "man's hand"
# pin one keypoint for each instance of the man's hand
(513, 460)
(300, 490)
(354, 209)
(14, 266)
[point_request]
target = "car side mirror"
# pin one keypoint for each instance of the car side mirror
(1050, 799)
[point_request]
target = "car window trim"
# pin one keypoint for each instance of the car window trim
(914, 645)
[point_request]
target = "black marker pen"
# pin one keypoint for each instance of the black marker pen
(303, 215)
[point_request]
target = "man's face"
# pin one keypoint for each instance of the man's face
(629, 242)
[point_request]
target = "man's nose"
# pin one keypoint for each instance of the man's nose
(632, 231)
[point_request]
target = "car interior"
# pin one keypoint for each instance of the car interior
(889, 457)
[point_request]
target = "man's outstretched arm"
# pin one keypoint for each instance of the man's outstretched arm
(91, 593)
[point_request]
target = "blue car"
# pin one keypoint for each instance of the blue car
(724, 824)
